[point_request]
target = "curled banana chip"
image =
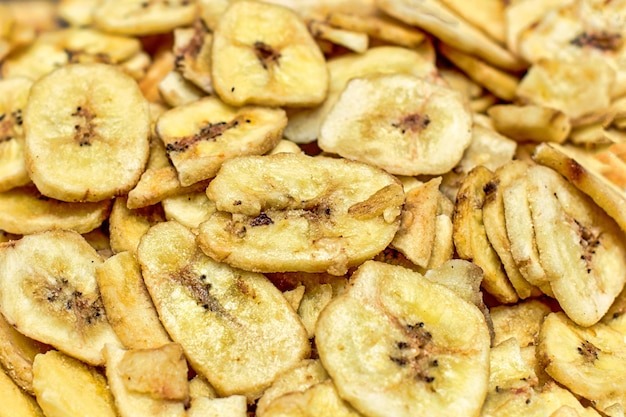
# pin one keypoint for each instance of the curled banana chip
(401, 123)
(292, 212)
(92, 120)
(389, 348)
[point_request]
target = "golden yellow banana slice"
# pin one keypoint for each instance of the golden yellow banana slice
(91, 120)
(49, 293)
(581, 248)
(13, 98)
(263, 54)
(292, 212)
(401, 123)
(390, 348)
(25, 210)
(235, 327)
(201, 135)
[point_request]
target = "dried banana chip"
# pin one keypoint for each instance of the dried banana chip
(494, 221)
(50, 293)
(13, 98)
(534, 123)
(235, 327)
(263, 54)
(378, 27)
(583, 175)
(581, 249)
(303, 126)
(144, 17)
(148, 382)
(418, 225)
(584, 359)
(437, 18)
(401, 123)
(127, 226)
(25, 210)
(292, 212)
(192, 48)
(470, 237)
(176, 90)
(321, 400)
(300, 378)
(201, 136)
(190, 209)
(390, 350)
(16, 402)
(64, 386)
(74, 118)
(521, 321)
(502, 84)
(232, 406)
(577, 87)
(128, 305)
(17, 353)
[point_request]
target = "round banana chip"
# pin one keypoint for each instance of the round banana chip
(87, 128)
(292, 212)
(264, 54)
(48, 291)
(581, 249)
(401, 123)
(397, 344)
(13, 98)
(235, 327)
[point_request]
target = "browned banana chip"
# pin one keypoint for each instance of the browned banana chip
(400, 123)
(144, 17)
(235, 327)
(436, 18)
(263, 54)
(200, 136)
(389, 349)
(470, 237)
(91, 120)
(292, 212)
(25, 210)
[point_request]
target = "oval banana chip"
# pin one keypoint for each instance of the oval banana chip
(49, 292)
(397, 344)
(401, 123)
(91, 120)
(263, 54)
(292, 212)
(235, 327)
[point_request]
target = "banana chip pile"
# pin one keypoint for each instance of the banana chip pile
(313, 208)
